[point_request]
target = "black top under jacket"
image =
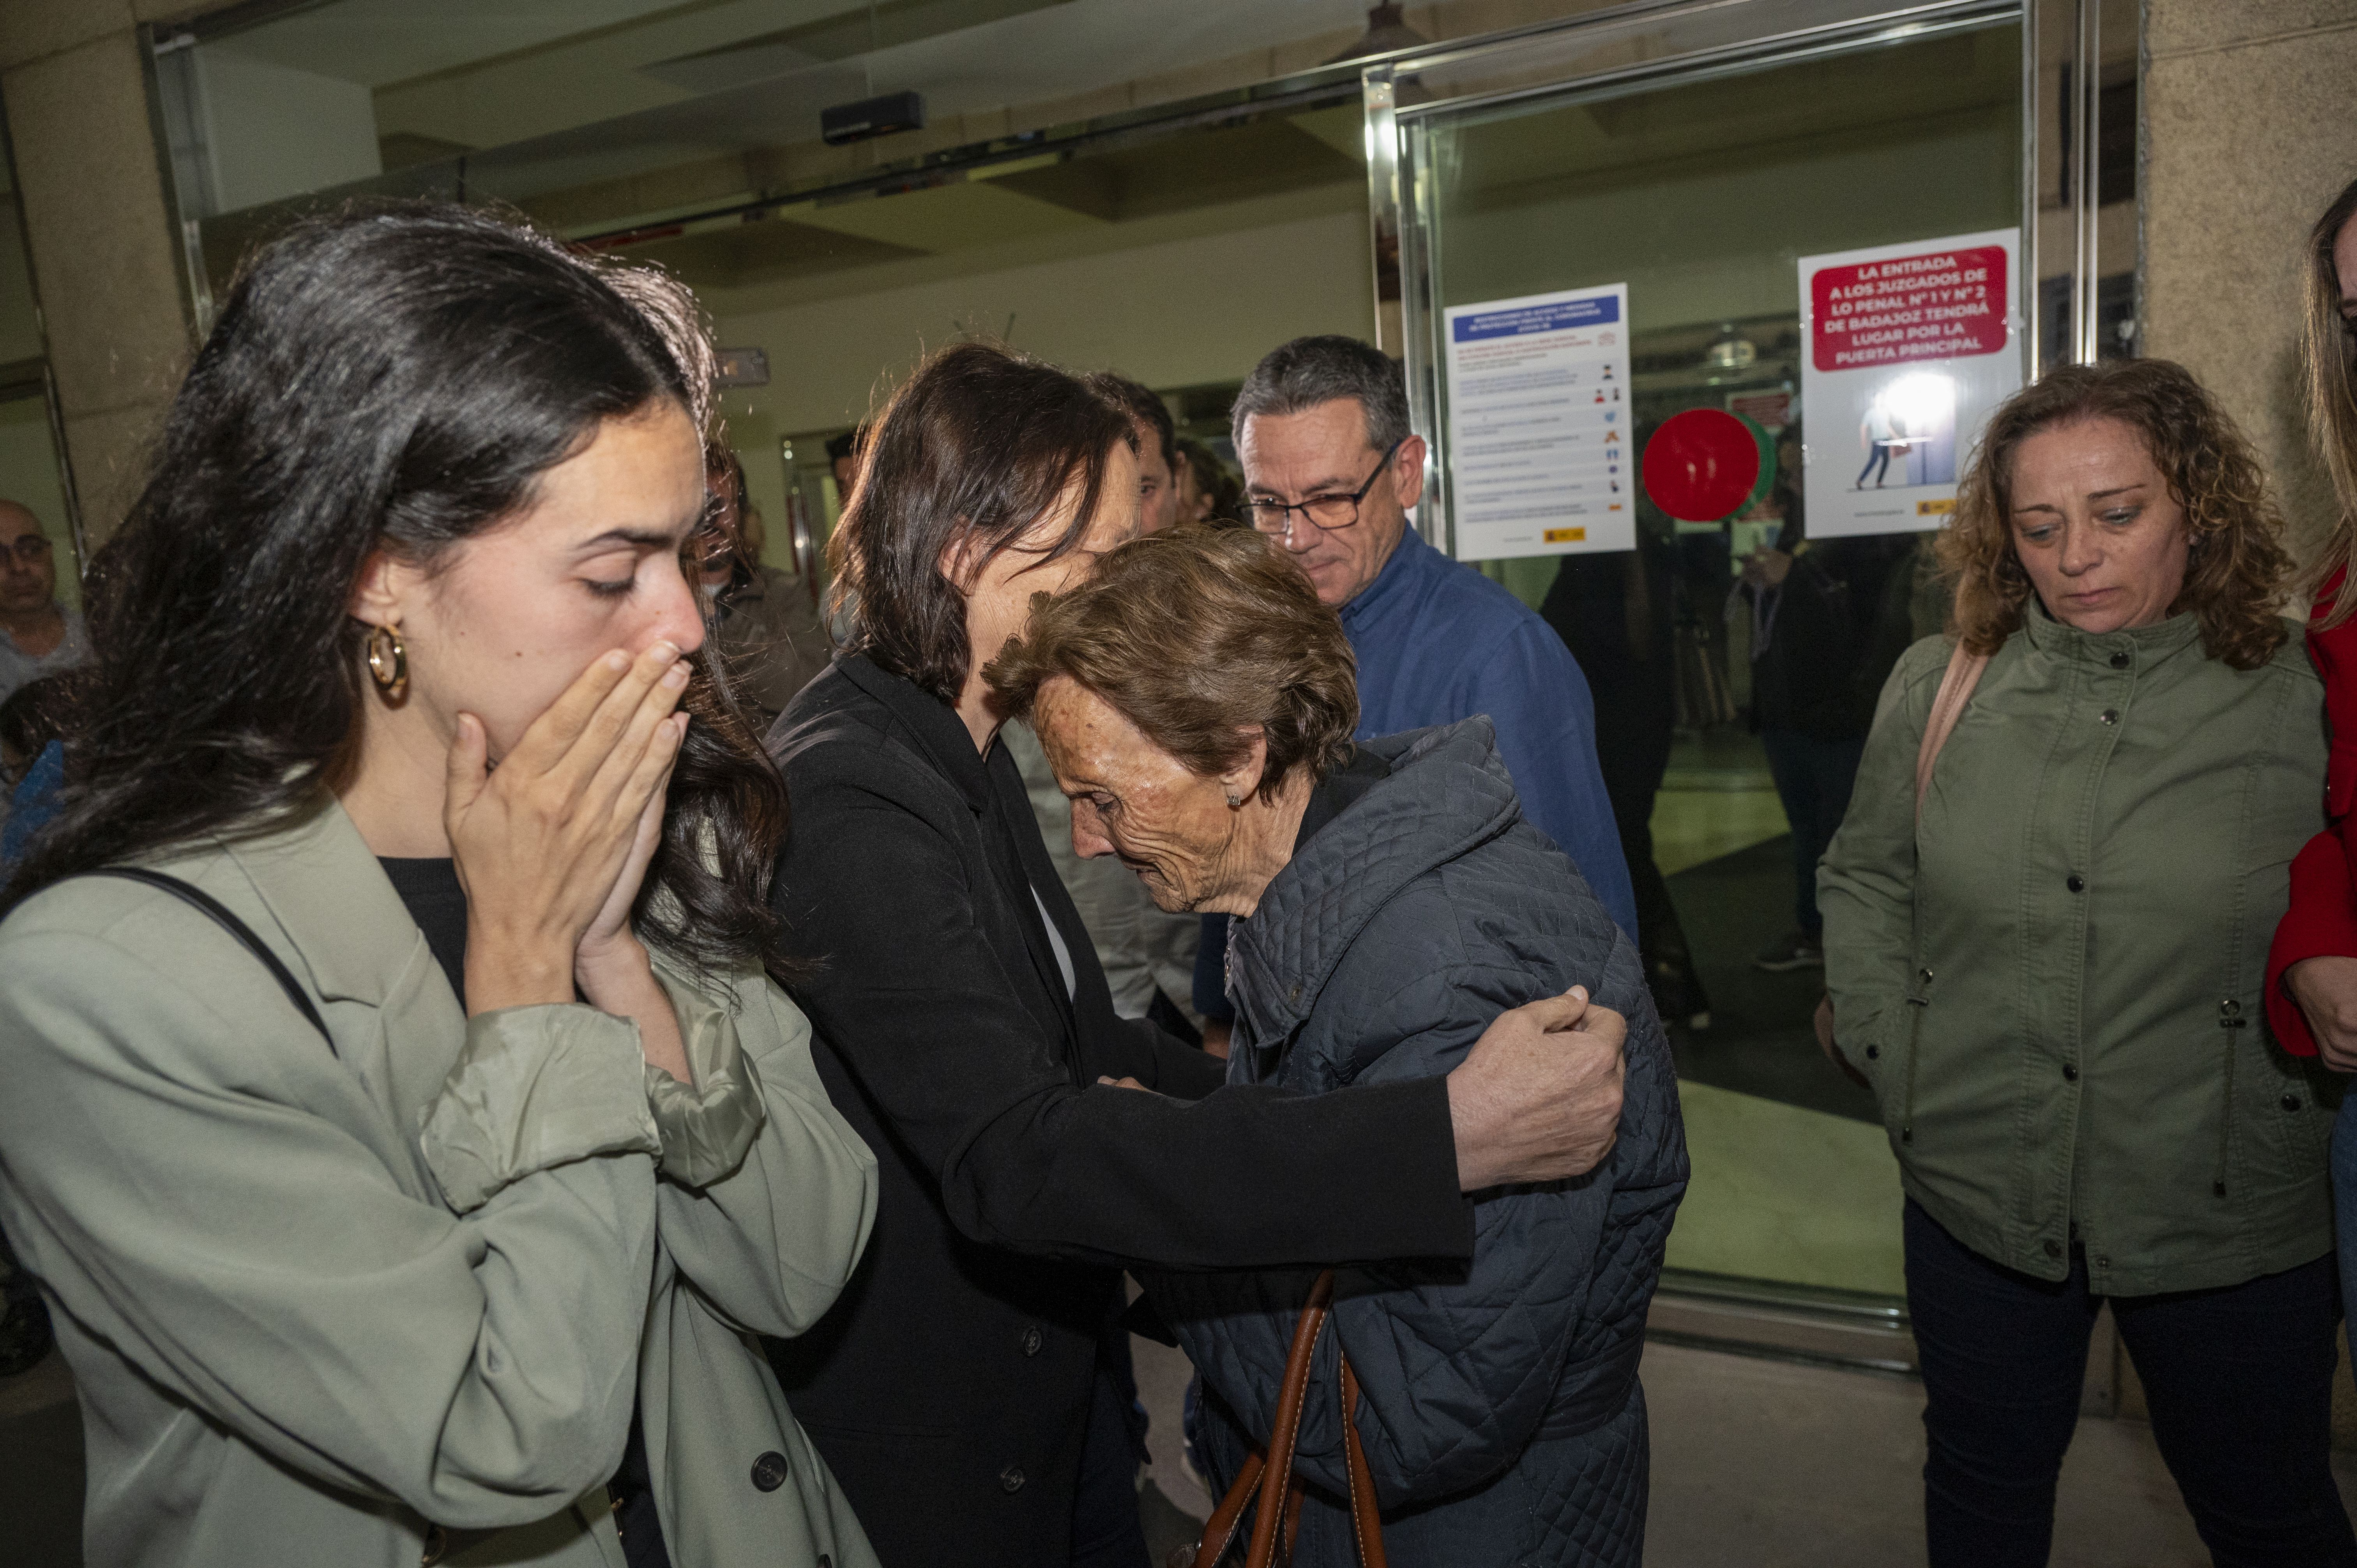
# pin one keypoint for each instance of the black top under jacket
(430, 890)
(949, 1388)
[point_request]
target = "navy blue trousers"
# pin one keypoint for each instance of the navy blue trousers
(2239, 1382)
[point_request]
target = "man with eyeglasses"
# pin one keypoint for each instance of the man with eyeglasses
(38, 635)
(1331, 468)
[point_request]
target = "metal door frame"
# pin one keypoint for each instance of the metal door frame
(1403, 261)
(1754, 1316)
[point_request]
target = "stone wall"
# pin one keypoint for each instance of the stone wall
(2248, 133)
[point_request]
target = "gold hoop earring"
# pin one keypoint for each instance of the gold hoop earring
(388, 663)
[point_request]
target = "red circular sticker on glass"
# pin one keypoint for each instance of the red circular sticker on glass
(1701, 465)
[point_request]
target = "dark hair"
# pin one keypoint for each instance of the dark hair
(2238, 565)
(1217, 480)
(844, 445)
(43, 710)
(978, 446)
(1308, 371)
(395, 378)
(722, 526)
(1199, 636)
(1144, 408)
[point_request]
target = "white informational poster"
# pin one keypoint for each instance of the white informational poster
(1907, 349)
(1540, 457)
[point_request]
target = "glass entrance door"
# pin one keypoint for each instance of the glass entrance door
(1674, 177)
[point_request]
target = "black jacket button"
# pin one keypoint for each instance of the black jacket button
(770, 1471)
(2069, 1073)
(2291, 1102)
(1033, 1340)
(2075, 883)
(2053, 1249)
(2110, 715)
(1874, 1053)
(1010, 1479)
(2121, 660)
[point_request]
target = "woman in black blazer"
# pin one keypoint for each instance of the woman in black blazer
(965, 1028)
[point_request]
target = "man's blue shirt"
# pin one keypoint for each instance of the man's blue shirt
(1437, 642)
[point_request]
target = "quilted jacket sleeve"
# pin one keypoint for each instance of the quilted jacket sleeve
(1456, 1364)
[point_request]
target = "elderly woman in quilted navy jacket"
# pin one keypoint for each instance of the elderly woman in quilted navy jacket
(1196, 702)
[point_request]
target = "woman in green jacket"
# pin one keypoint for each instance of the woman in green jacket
(412, 1146)
(2048, 957)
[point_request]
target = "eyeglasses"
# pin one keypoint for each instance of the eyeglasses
(30, 550)
(1328, 512)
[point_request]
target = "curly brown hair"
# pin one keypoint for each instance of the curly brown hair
(1200, 636)
(2238, 566)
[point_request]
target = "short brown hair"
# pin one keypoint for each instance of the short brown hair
(1199, 636)
(2239, 565)
(980, 444)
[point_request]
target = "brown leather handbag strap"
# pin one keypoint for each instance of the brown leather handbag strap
(1964, 674)
(1366, 1511)
(1271, 1480)
(1278, 1473)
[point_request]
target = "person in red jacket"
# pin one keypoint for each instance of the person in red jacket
(2312, 966)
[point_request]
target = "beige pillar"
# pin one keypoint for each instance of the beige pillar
(2248, 133)
(105, 264)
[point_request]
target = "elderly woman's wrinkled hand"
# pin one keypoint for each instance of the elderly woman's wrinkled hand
(2326, 990)
(1538, 1099)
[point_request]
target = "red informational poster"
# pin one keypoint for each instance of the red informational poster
(1931, 304)
(1910, 348)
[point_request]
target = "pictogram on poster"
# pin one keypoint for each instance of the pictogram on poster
(1910, 348)
(1540, 458)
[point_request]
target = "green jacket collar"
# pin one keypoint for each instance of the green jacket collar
(2149, 644)
(334, 902)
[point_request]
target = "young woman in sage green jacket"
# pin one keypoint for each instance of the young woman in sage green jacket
(412, 1147)
(2048, 958)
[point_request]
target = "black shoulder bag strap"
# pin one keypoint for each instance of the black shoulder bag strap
(218, 913)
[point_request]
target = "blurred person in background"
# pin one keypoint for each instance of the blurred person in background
(1209, 490)
(1388, 900)
(766, 621)
(34, 725)
(1614, 612)
(960, 1391)
(400, 1118)
(842, 454)
(38, 635)
(2046, 941)
(1825, 634)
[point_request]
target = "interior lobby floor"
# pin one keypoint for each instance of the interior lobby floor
(1762, 1464)
(1757, 1464)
